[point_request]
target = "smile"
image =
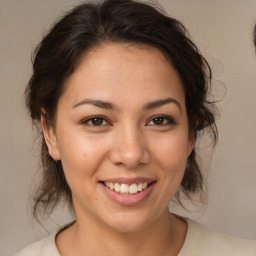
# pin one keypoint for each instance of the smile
(128, 192)
(126, 189)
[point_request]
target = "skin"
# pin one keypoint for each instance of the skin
(129, 142)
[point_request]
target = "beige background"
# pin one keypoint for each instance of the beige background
(222, 29)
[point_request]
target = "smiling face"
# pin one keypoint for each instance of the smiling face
(122, 136)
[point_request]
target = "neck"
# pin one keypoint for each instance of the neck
(164, 237)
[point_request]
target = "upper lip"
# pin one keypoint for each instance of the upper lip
(129, 181)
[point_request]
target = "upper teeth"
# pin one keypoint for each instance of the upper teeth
(125, 188)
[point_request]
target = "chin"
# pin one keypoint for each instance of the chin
(128, 222)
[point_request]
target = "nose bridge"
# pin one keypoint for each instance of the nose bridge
(130, 148)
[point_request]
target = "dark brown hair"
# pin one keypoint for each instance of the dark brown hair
(114, 21)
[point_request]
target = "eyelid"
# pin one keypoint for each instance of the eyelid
(171, 120)
(90, 118)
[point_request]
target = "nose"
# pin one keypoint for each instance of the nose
(129, 148)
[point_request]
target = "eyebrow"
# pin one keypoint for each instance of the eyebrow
(110, 106)
(96, 103)
(162, 102)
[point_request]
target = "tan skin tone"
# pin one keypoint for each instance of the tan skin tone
(140, 130)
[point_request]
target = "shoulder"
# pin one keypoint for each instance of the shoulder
(44, 247)
(201, 241)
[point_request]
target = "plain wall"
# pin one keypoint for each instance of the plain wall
(223, 32)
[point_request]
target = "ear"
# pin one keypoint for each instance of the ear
(191, 142)
(50, 139)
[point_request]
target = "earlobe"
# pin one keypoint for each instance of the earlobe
(50, 139)
(192, 142)
(192, 137)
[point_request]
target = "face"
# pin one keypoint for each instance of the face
(122, 136)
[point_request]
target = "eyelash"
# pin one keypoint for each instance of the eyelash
(167, 120)
(90, 119)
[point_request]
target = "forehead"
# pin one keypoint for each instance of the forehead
(119, 71)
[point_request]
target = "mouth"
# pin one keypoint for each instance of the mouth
(126, 189)
(128, 192)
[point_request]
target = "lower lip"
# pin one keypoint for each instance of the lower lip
(129, 200)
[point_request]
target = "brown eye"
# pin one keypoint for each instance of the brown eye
(161, 120)
(158, 121)
(96, 121)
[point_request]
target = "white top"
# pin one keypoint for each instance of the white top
(198, 242)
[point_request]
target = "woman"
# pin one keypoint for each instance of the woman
(120, 92)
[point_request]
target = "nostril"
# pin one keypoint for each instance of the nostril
(130, 160)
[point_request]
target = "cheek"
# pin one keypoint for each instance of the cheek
(171, 153)
(81, 155)
(170, 160)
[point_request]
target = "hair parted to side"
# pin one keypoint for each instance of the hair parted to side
(113, 21)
